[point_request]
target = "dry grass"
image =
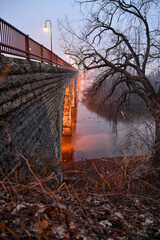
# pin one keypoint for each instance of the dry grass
(125, 175)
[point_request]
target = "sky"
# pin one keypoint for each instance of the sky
(29, 16)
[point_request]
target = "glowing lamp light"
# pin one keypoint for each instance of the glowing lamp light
(45, 28)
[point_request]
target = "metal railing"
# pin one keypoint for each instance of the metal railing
(15, 42)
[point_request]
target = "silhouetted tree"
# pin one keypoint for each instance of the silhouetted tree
(122, 39)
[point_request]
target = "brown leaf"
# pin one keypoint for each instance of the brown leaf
(44, 224)
(72, 227)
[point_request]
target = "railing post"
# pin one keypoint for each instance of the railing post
(51, 57)
(27, 48)
(42, 59)
(0, 37)
(56, 60)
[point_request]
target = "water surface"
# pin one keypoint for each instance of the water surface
(93, 135)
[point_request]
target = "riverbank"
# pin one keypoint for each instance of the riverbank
(109, 198)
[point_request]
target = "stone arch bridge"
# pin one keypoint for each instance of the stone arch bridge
(33, 96)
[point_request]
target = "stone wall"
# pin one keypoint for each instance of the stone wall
(31, 112)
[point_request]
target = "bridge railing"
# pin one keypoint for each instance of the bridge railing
(15, 42)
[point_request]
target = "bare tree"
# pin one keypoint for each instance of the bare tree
(122, 39)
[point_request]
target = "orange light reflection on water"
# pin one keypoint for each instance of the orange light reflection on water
(88, 137)
(92, 133)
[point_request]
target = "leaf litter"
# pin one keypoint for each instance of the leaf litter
(80, 209)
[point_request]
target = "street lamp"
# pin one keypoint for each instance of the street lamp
(46, 30)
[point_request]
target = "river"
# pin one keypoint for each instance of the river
(93, 135)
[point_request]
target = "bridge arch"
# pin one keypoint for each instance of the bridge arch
(69, 120)
(67, 123)
(69, 108)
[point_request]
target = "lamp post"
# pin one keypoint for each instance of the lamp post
(46, 29)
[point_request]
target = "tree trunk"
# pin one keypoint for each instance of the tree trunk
(156, 146)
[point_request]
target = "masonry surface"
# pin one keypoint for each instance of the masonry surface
(31, 113)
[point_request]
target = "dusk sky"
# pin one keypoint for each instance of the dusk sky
(29, 16)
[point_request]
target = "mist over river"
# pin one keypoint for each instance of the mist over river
(93, 135)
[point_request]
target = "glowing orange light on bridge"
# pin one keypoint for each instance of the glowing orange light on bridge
(67, 113)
